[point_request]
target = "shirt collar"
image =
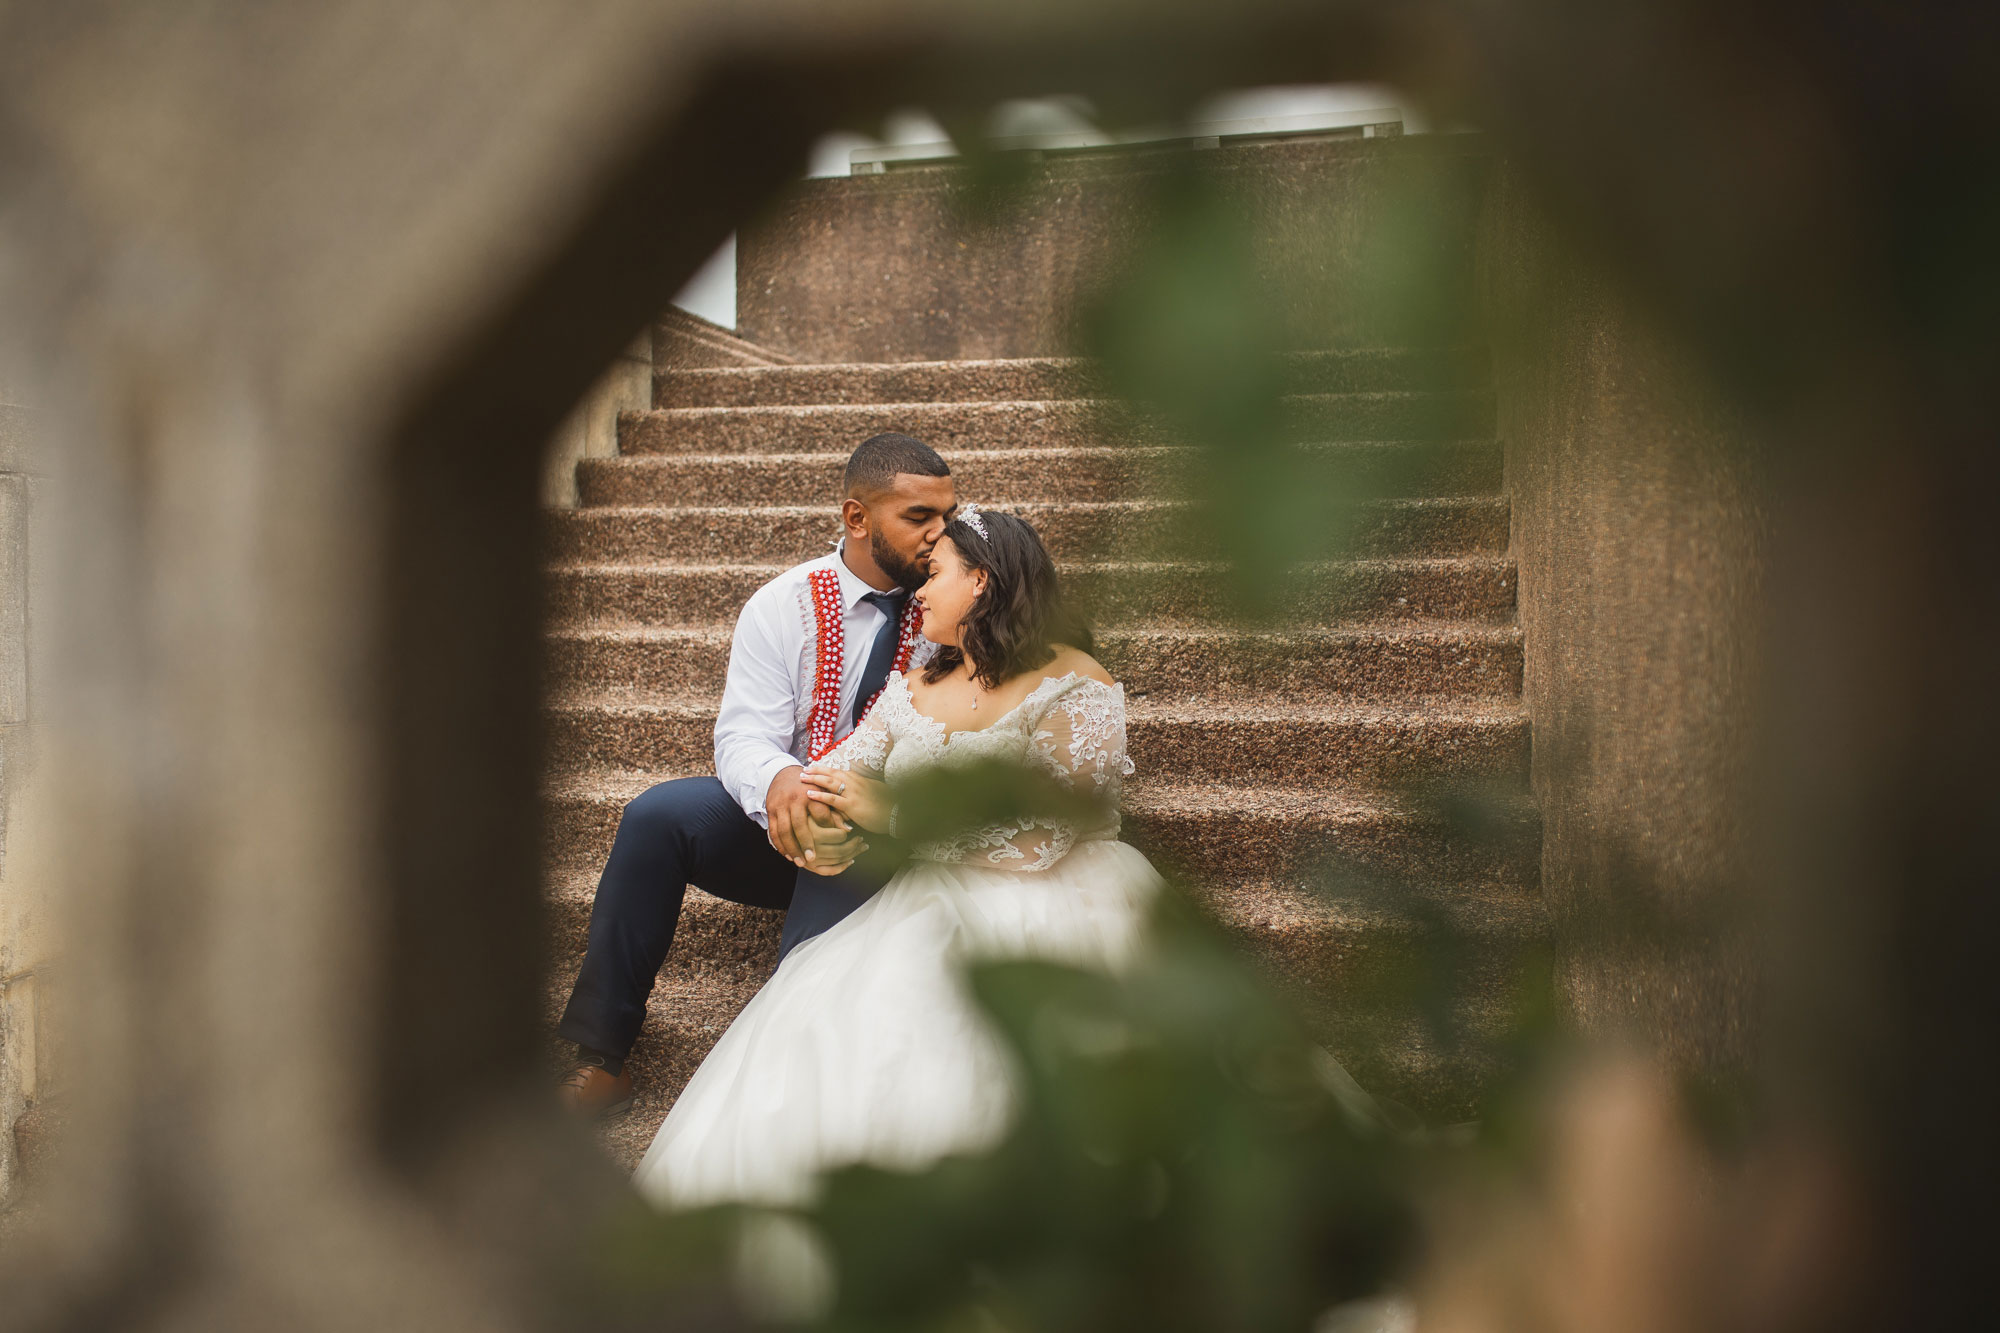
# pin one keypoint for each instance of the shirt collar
(852, 587)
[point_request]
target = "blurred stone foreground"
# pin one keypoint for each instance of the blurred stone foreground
(295, 298)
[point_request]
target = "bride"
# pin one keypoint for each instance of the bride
(863, 1046)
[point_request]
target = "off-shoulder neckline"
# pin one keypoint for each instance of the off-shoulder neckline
(949, 733)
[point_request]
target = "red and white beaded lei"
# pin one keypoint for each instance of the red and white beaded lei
(824, 585)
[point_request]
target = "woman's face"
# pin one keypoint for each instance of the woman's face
(949, 594)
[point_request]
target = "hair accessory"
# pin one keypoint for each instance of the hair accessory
(968, 514)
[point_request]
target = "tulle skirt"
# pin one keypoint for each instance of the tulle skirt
(864, 1046)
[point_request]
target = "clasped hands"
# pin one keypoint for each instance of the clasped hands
(818, 818)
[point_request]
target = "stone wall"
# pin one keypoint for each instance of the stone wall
(24, 932)
(591, 428)
(678, 341)
(919, 265)
(1640, 527)
(683, 340)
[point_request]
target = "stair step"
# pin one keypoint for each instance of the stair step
(1162, 529)
(1371, 977)
(722, 954)
(1215, 834)
(1159, 594)
(1360, 468)
(1045, 424)
(1219, 834)
(1281, 741)
(683, 340)
(1025, 379)
(1442, 658)
(737, 944)
(1042, 378)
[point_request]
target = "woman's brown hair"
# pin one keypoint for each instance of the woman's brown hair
(1016, 622)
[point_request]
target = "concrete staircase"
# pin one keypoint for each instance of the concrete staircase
(1270, 760)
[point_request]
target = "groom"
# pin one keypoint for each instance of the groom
(813, 647)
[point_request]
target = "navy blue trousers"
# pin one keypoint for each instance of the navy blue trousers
(679, 833)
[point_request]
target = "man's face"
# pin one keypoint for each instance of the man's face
(905, 522)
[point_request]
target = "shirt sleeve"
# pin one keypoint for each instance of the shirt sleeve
(753, 729)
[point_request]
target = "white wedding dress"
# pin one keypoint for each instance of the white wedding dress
(864, 1046)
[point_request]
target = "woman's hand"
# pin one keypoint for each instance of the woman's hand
(835, 843)
(859, 800)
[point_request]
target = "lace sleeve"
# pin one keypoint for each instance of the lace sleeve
(866, 749)
(1079, 739)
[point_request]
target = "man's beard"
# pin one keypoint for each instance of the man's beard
(907, 574)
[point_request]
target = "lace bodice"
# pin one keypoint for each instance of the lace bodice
(1071, 727)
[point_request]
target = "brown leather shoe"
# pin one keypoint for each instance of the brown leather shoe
(593, 1090)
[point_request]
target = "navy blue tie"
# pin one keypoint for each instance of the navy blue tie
(882, 656)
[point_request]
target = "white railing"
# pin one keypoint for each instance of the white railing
(1363, 123)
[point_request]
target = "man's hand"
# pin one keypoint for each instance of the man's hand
(810, 837)
(790, 816)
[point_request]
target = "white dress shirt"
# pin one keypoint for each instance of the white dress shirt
(767, 699)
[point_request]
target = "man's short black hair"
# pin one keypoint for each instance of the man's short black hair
(872, 468)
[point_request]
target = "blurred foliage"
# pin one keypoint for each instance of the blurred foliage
(975, 794)
(1187, 333)
(1209, 331)
(1185, 1157)
(1187, 1153)
(983, 793)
